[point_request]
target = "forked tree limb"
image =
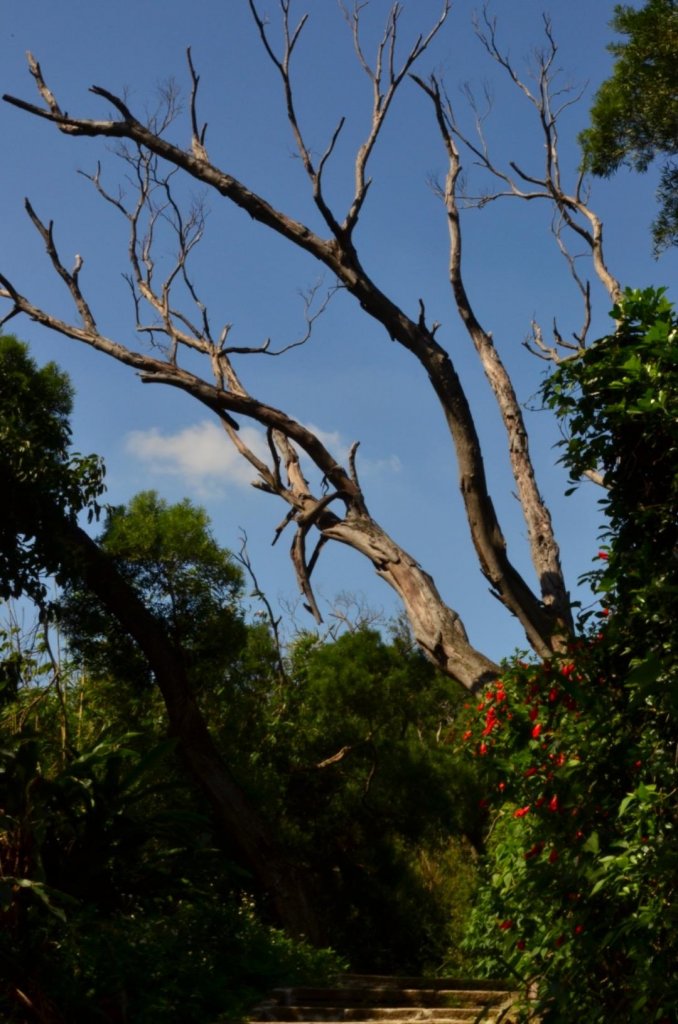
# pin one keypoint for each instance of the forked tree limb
(339, 255)
(437, 628)
(543, 545)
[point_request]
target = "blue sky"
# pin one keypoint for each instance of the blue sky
(349, 381)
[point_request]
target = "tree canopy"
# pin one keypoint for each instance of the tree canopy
(41, 477)
(184, 579)
(634, 119)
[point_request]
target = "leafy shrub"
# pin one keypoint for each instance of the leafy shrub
(579, 896)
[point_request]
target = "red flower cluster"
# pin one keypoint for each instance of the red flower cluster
(488, 705)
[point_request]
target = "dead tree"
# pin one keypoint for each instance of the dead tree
(340, 512)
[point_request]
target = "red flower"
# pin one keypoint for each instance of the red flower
(490, 721)
(506, 926)
(529, 772)
(603, 555)
(501, 787)
(578, 929)
(534, 711)
(536, 731)
(482, 749)
(553, 804)
(553, 856)
(521, 811)
(520, 944)
(567, 670)
(553, 694)
(467, 734)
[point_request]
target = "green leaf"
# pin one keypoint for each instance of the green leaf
(592, 844)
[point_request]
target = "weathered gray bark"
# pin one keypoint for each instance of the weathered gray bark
(340, 256)
(543, 611)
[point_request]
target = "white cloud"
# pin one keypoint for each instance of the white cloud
(200, 453)
(204, 457)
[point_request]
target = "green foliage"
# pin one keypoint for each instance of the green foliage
(620, 400)
(634, 119)
(372, 799)
(186, 580)
(117, 889)
(347, 752)
(38, 474)
(579, 753)
(580, 886)
(115, 899)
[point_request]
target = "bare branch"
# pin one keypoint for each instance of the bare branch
(291, 37)
(383, 93)
(311, 315)
(198, 134)
(437, 628)
(335, 758)
(242, 556)
(576, 214)
(70, 279)
(595, 477)
(353, 451)
(543, 545)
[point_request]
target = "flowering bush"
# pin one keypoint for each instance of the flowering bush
(581, 872)
(579, 753)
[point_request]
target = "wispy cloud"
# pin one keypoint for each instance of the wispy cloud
(204, 457)
(201, 453)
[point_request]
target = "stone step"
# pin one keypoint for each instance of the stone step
(476, 1015)
(311, 1015)
(386, 1013)
(380, 999)
(386, 997)
(393, 981)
